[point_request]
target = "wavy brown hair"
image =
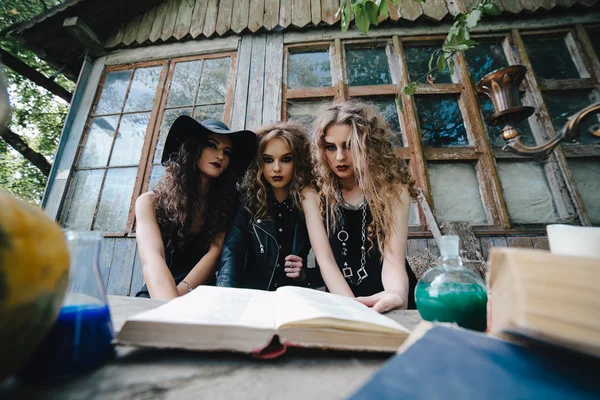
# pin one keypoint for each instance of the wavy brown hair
(381, 175)
(255, 189)
(180, 199)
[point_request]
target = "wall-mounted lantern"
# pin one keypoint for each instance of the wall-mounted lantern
(502, 87)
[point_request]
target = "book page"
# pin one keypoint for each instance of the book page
(296, 304)
(209, 305)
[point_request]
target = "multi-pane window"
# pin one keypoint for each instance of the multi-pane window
(120, 153)
(454, 155)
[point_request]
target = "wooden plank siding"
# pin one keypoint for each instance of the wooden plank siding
(174, 19)
(121, 268)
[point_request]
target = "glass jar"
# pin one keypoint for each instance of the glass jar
(450, 292)
(82, 334)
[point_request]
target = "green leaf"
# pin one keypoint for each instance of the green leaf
(473, 17)
(491, 9)
(395, 2)
(410, 89)
(361, 19)
(457, 47)
(356, 3)
(384, 10)
(345, 11)
(450, 65)
(419, 1)
(441, 63)
(372, 12)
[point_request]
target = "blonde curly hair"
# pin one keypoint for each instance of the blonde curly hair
(378, 171)
(254, 187)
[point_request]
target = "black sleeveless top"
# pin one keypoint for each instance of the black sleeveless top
(346, 243)
(182, 261)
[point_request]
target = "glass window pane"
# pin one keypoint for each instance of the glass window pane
(417, 61)
(368, 67)
(551, 59)
(586, 173)
(495, 138)
(204, 112)
(309, 69)
(115, 201)
(143, 89)
(527, 192)
(455, 192)
(81, 201)
(440, 121)
(158, 171)
(130, 139)
(594, 36)
(304, 112)
(213, 83)
(168, 118)
(98, 142)
(183, 85)
(563, 104)
(485, 58)
(113, 92)
(388, 109)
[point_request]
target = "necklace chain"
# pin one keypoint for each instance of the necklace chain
(343, 238)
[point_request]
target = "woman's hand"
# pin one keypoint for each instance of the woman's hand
(382, 301)
(293, 267)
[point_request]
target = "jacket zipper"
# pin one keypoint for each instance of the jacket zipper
(262, 250)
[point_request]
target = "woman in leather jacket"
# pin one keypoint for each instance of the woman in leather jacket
(268, 243)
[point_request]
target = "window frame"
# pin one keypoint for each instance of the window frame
(144, 167)
(479, 150)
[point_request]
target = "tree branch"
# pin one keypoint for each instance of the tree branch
(30, 73)
(33, 156)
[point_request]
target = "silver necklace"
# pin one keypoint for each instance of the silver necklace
(343, 236)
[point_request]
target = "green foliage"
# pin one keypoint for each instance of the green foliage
(368, 12)
(37, 115)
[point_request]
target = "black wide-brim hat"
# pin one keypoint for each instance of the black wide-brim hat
(187, 128)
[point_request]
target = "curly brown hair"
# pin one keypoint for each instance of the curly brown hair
(255, 189)
(378, 171)
(180, 199)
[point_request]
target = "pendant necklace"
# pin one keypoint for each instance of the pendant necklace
(343, 237)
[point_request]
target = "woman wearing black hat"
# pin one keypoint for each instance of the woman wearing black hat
(182, 222)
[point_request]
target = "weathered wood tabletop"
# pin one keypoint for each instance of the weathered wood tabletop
(165, 374)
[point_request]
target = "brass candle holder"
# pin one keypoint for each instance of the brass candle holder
(502, 87)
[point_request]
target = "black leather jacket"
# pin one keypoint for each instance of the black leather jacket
(251, 251)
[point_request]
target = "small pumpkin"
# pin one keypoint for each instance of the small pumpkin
(34, 271)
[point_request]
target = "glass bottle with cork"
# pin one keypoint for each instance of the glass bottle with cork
(450, 292)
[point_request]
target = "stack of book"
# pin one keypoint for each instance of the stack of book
(543, 338)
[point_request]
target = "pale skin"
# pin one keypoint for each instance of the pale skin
(278, 170)
(213, 161)
(393, 276)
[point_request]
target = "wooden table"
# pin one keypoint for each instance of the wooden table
(165, 374)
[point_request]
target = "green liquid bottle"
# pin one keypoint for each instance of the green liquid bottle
(450, 292)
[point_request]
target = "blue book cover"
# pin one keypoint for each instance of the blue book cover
(451, 363)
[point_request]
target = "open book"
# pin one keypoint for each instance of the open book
(546, 297)
(245, 320)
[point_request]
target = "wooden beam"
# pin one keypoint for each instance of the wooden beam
(84, 35)
(33, 75)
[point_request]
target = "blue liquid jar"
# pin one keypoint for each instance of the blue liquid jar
(81, 337)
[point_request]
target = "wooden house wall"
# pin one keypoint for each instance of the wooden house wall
(175, 20)
(257, 100)
(121, 269)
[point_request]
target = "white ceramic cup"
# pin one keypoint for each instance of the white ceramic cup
(577, 241)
